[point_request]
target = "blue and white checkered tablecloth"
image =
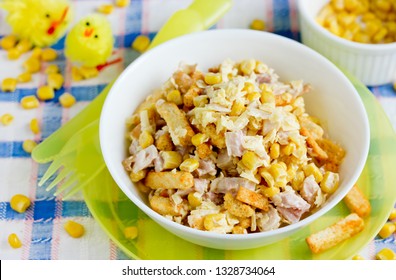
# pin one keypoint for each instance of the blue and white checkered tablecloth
(41, 226)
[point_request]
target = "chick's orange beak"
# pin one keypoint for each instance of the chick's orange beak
(56, 23)
(88, 32)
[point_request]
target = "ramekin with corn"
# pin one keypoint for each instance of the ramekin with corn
(357, 35)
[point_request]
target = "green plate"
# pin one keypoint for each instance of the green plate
(114, 211)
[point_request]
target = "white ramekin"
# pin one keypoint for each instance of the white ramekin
(373, 64)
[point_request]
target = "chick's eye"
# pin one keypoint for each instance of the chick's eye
(87, 23)
(47, 15)
(96, 36)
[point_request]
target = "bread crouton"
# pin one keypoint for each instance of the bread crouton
(357, 202)
(335, 234)
(164, 206)
(179, 128)
(169, 180)
(252, 198)
(236, 207)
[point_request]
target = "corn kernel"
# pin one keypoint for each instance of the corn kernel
(386, 254)
(189, 165)
(52, 69)
(24, 45)
(274, 151)
(357, 257)
(198, 139)
(336, 28)
(35, 126)
(248, 66)
(351, 5)
(289, 149)
(278, 171)
(32, 65)
(28, 146)
(9, 84)
(174, 96)
(387, 230)
(8, 42)
(6, 119)
(30, 102)
(145, 139)
(251, 160)
(257, 24)
(136, 177)
(13, 54)
(212, 78)
(337, 4)
(383, 5)
(48, 54)
(360, 37)
(67, 100)
(36, 53)
(76, 74)
(105, 9)
(194, 199)
(88, 72)
(248, 87)
(14, 241)
(346, 19)
(74, 229)
(298, 180)
(55, 80)
(237, 108)
(330, 182)
(172, 159)
(253, 96)
(131, 232)
(372, 27)
(368, 16)
(270, 192)
(45, 93)
(20, 203)
(211, 220)
(380, 35)
(312, 169)
(24, 77)
(141, 43)
(123, 3)
(267, 97)
(392, 215)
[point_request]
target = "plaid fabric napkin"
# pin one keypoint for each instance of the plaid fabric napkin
(40, 228)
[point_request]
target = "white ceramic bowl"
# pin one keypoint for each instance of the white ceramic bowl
(373, 64)
(333, 99)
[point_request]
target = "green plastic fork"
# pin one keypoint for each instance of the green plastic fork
(78, 162)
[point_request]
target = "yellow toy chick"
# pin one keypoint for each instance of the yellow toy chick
(42, 22)
(90, 41)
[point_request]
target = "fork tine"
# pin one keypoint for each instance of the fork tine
(55, 165)
(85, 182)
(69, 182)
(59, 177)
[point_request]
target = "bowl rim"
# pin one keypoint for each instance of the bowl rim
(213, 235)
(302, 8)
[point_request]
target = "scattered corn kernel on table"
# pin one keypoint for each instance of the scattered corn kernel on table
(41, 228)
